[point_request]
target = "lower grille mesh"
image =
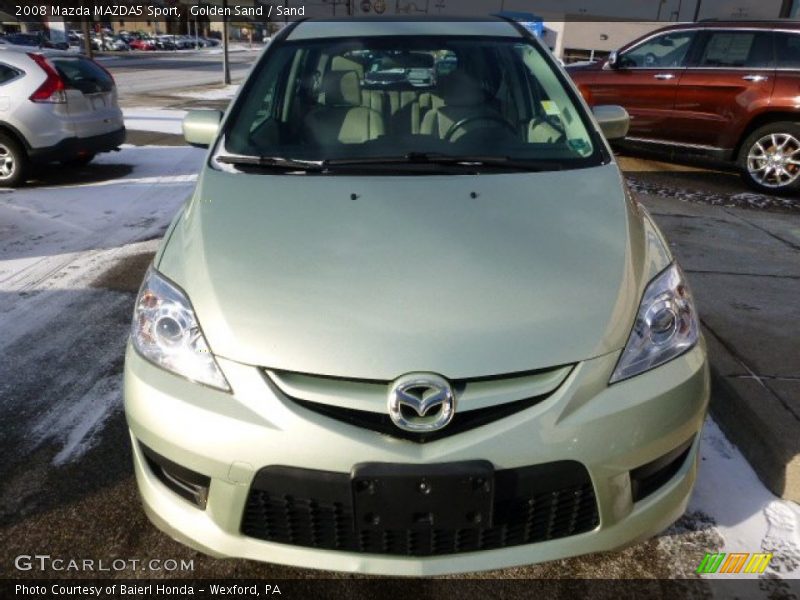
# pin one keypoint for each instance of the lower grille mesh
(532, 504)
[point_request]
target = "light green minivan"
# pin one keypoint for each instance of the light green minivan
(411, 322)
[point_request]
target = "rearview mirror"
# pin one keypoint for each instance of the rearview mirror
(614, 121)
(200, 127)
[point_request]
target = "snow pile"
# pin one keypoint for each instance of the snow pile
(219, 93)
(154, 119)
(741, 200)
(747, 515)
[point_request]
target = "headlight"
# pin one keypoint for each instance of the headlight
(666, 325)
(166, 332)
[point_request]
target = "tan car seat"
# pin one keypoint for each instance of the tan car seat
(341, 117)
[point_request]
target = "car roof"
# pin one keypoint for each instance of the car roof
(401, 26)
(46, 52)
(777, 24)
(715, 24)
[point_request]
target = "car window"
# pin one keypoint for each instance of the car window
(7, 74)
(82, 74)
(395, 96)
(787, 50)
(664, 51)
(737, 49)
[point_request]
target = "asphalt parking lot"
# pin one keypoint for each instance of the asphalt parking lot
(74, 246)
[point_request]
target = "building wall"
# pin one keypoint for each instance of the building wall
(132, 26)
(583, 40)
(633, 10)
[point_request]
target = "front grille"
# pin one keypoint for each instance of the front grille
(382, 423)
(477, 399)
(310, 508)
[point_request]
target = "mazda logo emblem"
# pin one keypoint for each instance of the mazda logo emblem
(421, 402)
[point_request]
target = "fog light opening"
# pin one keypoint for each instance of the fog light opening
(188, 484)
(651, 476)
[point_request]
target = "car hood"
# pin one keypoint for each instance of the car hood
(374, 276)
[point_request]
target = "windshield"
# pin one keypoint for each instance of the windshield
(349, 100)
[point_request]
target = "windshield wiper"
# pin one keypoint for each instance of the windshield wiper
(411, 158)
(435, 158)
(272, 162)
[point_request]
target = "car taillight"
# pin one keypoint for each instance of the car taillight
(53, 89)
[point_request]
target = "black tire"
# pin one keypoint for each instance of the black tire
(14, 162)
(80, 161)
(778, 172)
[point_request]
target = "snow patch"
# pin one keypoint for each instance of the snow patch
(76, 427)
(45, 229)
(783, 538)
(748, 517)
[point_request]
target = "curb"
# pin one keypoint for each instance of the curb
(755, 420)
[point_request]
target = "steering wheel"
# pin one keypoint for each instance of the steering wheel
(448, 137)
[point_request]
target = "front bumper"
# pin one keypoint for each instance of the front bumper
(229, 438)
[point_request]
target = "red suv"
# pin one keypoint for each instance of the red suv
(728, 90)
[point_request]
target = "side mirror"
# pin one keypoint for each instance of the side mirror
(613, 60)
(614, 121)
(200, 127)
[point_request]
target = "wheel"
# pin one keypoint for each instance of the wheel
(770, 158)
(13, 162)
(80, 161)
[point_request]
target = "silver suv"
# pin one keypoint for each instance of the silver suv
(54, 106)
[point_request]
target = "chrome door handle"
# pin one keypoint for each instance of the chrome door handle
(664, 76)
(756, 78)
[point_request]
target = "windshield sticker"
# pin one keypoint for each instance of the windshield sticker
(550, 108)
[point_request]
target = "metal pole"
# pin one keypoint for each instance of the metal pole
(87, 40)
(226, 67)
(697, 10)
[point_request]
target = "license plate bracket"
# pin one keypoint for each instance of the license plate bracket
(390, 496)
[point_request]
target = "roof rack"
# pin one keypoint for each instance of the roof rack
(718, 20)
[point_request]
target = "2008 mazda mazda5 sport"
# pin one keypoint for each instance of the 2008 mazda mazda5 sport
(411, 322)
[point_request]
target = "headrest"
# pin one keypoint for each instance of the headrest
(341, 88)
(459, 89)
(341, 63)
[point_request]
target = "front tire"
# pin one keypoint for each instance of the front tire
(769, 159)
(13, 162)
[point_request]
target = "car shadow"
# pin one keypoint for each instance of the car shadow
(56, 174)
